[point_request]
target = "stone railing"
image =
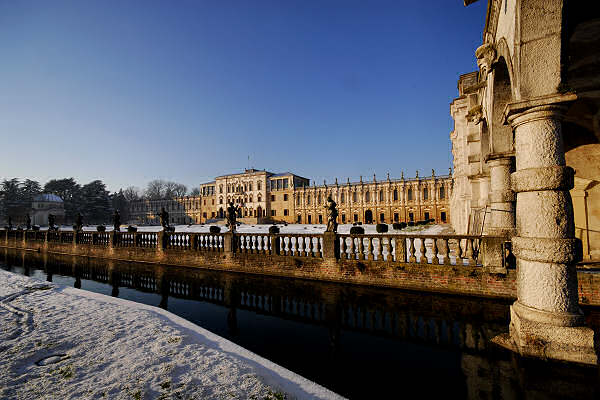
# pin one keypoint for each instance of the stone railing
(413, 249)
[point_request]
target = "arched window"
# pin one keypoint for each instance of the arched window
(395, 195)
(259, 198)
(221, 188)
(250, 198)
(367, 196)
(250, 188)
(220, 199)
(258, 185)
(409, 194)
(425, 194)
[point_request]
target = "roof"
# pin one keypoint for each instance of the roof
(48, 197)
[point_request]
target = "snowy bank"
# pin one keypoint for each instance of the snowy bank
(61, 342)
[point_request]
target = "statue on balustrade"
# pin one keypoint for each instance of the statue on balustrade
(232, 211)
(79, 222)
(117, 221)
(28, 222)
(332, 214)
(164, 219)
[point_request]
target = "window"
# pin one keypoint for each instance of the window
(426, 216)
(425, 194)
(273, 213)
(213, 202)
(343, 218)
(299, 219)
(309, 219)
(354, 197)
(220, 200)
(286, 212)
(381, 195)
(272, 197)
(443, 216)
(259, 198)
(411, 216)
(285, 197)
(396, 219)
(382, 218)
(342, 198)
(395, 195)
(285, 183)
(298, 200)
(213, 214)
(258, 185)
(367, 196)
(250, 186)
(355, 217)
(308, 201)
(442, 192)
(220, 188)
(319, 199)
(279, 184)
(250, 198)
(409, 195)
(320, 218)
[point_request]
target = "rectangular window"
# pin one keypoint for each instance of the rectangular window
(343, 218)
(309, 219)
(272, 213)
(285, 183)
(426, 216)
(320, 219)
(443, 216)
(442, 192)
(355, 217)
(285, 197)
(382, 218)
(299, 219)
(279, 182)
(411, 216)
(213, 214)
(286, 212)
(396, 219)
(272, 197)
(425, 194)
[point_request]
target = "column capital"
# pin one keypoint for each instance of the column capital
(545, 107)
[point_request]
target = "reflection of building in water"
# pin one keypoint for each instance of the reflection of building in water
(45, 204)
(264, 197)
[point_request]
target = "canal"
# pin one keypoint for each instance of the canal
(361, 342)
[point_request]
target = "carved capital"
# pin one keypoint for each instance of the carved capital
(486, 55)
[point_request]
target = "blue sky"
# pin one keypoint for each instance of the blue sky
(129, 91)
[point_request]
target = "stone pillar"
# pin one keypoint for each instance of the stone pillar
(229, 243)
(331, 245)
(545, 320)
(502, 213)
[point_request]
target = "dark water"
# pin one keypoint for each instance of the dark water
(360, 342)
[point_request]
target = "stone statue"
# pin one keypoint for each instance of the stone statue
(164, 218)
(332, 215)
(232, 211)
(79, 222)
(28, 222)
(432, 172)
(50, 221)
(117, 221)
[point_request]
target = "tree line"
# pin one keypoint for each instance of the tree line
(92, 200)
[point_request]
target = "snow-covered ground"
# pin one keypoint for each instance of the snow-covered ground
(290, 228)
(58, 342)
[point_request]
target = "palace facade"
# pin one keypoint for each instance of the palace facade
(265, 197)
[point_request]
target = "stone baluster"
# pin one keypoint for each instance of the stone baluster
(343, 248)
(411, 250)
(369, 251)
(469, 252)
(434, 250)
(352, 254)
(445, 252)
(361, 246)
(380, 249)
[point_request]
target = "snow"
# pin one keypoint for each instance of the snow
(290, 228)
(62, 342)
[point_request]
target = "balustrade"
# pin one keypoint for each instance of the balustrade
(420, 249)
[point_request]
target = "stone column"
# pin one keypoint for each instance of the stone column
(331, 246)
(545, 320)
(502, 214)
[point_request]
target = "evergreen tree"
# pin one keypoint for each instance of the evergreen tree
(70, 191)
(95, 202)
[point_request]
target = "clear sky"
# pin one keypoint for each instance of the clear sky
(129, 91)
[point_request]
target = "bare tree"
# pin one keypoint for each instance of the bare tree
(132, 193)
(195, 192)
(179, 190)
(155, 189)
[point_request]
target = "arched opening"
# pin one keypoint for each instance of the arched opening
(500, 135)
(368, 217)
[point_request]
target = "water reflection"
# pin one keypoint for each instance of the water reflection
(360, 342)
